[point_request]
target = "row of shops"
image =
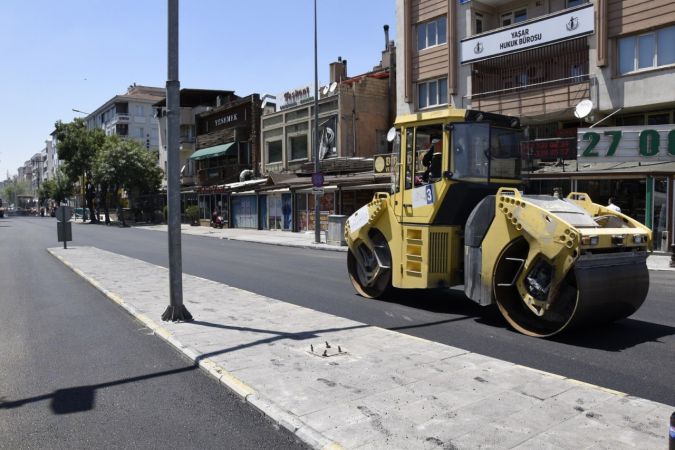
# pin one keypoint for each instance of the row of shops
(643, 191)
(284, 203)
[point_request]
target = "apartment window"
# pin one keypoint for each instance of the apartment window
(432, 93)
(647, 50)
(512, 17)
(274, 149)
(140, 132)
(478, 23)
(298, 146)
(140, 110)
(432, 33)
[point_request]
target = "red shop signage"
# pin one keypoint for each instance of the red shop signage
(565, 148)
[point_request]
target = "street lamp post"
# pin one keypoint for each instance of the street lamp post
(317, 167)
(176, 311)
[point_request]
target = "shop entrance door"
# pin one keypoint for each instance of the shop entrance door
(274, 214)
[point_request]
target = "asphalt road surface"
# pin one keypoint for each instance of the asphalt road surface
(78, 372)
(635, 355)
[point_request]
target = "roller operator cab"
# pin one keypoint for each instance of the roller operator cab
(455, 216)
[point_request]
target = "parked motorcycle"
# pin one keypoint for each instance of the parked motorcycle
(217, 221)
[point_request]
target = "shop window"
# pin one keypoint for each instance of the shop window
(658, 119)
(647, 50)
(661, 214)
(432, 33)
(432, 93)
(628, 121)
(274, 151)
(298, 146)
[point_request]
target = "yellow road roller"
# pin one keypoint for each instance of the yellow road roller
(455, 215)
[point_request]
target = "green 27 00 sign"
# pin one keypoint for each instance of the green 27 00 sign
(626, 143)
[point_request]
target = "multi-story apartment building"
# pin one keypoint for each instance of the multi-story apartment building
(25, 173)
(538, 60)
(130, 115)
(192, 103)
(52, 162)
(36, 164)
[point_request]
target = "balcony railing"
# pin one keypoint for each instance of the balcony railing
(120, 118)
(554, 65)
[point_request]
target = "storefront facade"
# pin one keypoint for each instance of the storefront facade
(227, 144)
(634, 165)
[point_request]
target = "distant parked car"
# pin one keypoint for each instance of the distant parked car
(78, 212)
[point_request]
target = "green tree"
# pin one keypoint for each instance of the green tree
(124, 164)
(78, 146)
(46, 191)
(63, 188)
(12, 189)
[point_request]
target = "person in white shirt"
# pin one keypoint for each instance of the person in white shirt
(612, 206)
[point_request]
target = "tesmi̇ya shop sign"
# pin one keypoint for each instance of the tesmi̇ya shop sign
(546, 30)
(650, 143)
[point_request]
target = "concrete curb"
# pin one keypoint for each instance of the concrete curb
(279, 415)
(324, 247)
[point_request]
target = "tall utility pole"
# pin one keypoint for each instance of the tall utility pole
(317, 167)
(176, 311)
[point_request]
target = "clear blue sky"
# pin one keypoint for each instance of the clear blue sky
(60, 55)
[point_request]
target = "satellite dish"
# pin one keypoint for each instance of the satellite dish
(324, 90)
(391, 134)
(332, 87)
(583, 109)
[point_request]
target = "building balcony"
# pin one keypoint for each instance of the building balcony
(119, 118)
(537, 101)
(533, 82)
(492, 16)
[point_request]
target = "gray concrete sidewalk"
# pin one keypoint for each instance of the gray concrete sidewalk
(338, 383)
(655, 261)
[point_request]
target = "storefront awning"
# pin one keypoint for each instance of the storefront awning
(212, 152)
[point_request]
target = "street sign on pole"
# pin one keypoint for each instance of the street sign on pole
(317, 190)
(64, 230)
(64, 213)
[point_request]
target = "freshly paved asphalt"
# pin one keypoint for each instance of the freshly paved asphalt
(636, 355)
(76, 372)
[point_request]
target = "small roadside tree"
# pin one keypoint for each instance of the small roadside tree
(46, 192)
(63, 188)
(124, 164)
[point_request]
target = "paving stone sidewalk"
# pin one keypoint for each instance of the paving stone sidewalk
(337, 383)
